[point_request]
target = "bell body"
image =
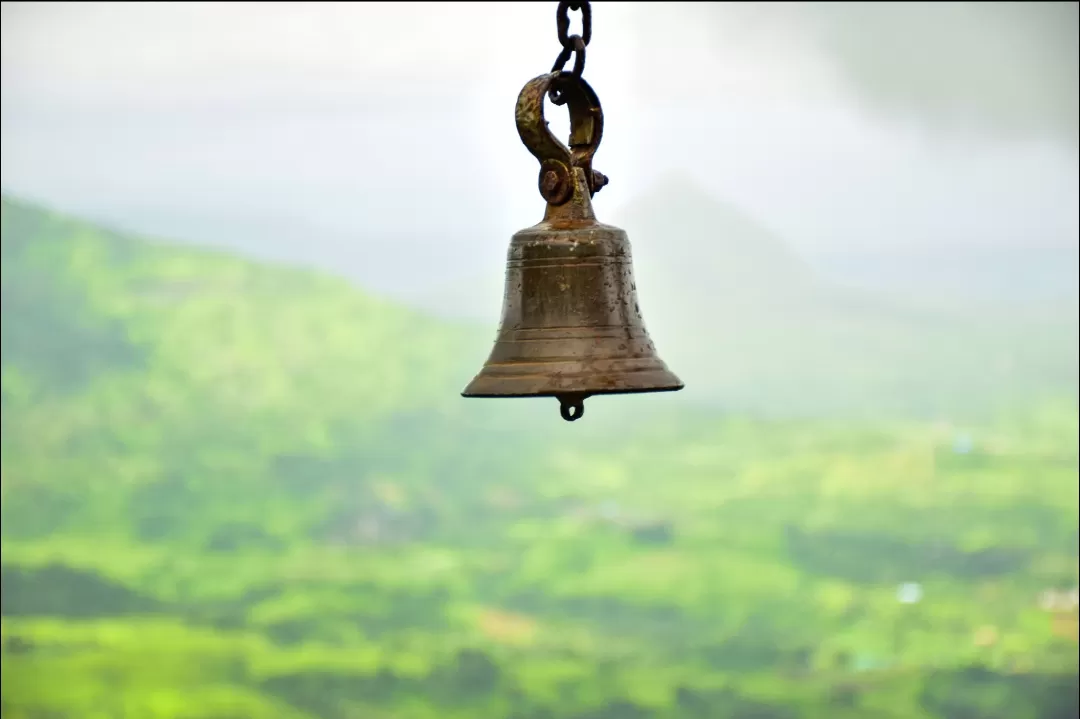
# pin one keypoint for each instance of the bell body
(571, 325)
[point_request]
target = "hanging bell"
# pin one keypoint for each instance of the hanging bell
(571, 326)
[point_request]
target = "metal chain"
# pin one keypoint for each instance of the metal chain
(571, 44)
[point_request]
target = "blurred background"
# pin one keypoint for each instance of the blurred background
(252, 252)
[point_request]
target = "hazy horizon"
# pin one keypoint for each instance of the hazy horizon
(828, 123)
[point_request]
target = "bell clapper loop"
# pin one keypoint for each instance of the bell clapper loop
(571, 406)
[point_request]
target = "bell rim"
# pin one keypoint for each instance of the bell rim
(585, 394)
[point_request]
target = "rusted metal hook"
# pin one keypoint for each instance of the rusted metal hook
(557, 161)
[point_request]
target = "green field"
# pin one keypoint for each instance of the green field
(241, 491)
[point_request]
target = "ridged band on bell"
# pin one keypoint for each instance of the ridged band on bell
(571, 326)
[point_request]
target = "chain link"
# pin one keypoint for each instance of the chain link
(571, 44)
(562, 21)
(577, 48)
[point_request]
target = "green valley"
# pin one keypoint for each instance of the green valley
(234, 490)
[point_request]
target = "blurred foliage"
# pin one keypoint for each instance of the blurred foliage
(240, 491)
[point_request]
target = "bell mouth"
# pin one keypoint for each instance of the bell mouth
(571, 404)
(468, 394)
(521, 379)
(570, 378)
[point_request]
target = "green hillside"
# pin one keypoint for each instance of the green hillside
(241, 491)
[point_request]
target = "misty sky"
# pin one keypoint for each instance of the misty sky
(839, 125)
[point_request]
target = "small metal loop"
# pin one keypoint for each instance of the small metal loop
(562, 21)
(571, 409)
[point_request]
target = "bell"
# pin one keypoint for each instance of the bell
(571, 326)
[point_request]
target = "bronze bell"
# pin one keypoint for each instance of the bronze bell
(571, 326)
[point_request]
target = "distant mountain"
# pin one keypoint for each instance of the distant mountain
(684, 237)
(752, 327)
